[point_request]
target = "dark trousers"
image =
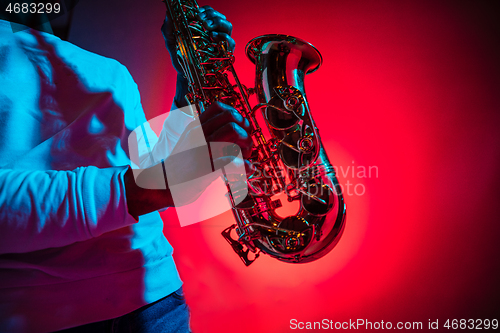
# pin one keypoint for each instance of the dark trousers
(169, 314)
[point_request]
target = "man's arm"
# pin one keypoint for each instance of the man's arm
(219, 123)
(43, 209)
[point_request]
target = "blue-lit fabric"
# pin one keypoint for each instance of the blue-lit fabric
(70, 253)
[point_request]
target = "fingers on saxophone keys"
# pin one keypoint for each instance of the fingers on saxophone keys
(249, 168)
(219, 114)
(214, 21)
(207, 11)
(222, 36)
(232, 132)
(218, 25)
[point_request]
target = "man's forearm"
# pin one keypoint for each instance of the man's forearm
(40, 209)
(181, 90)
(141, 200)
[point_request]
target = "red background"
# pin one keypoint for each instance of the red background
(411, 88)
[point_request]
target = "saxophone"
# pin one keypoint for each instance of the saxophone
(290, 161)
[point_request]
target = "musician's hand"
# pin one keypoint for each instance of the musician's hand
(219, 123)
(220, 30)
(220, 126)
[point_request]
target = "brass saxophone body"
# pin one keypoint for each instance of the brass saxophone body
(291, 161)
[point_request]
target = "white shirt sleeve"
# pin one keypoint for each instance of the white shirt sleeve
(43, 209)
(47, 208)
(150, 149)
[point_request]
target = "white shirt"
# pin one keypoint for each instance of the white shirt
(70, 253)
